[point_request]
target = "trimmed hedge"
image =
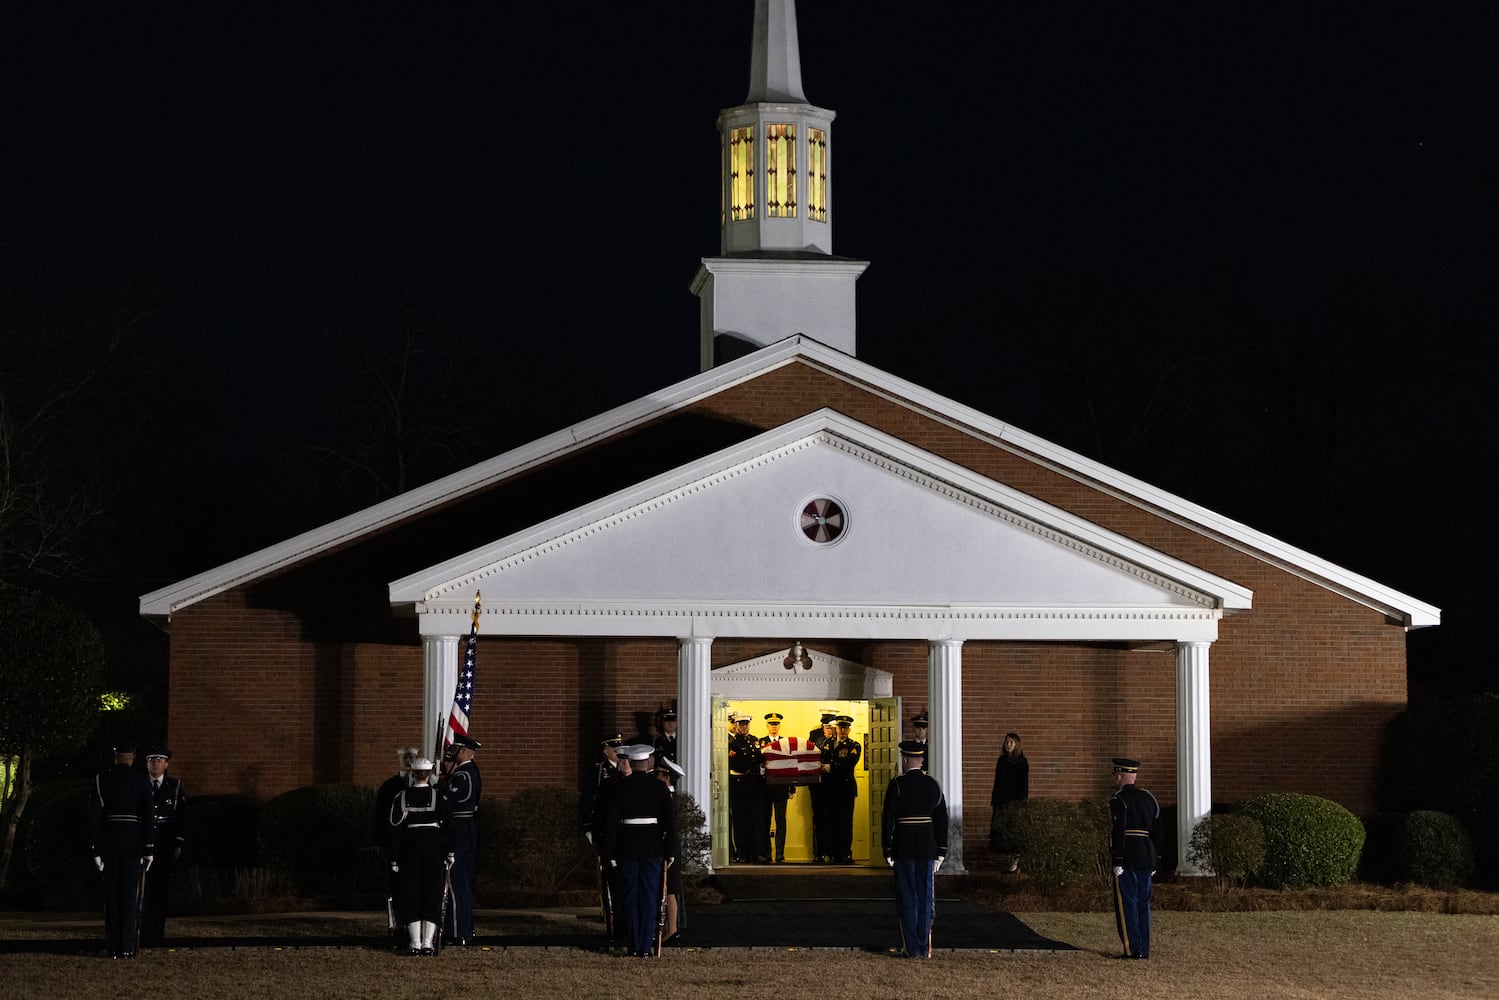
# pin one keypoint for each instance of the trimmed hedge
(221, 831)
(56, 840)
(1309, 840)
(320, 835)
(1061, 844)
(1432, 848)
(541, 847)
(1230, 846)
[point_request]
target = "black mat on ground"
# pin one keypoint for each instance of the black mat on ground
(844, 911)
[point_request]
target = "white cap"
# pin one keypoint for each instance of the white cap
(403, 751)
(673, 765)
(637, 751)
(421, 764)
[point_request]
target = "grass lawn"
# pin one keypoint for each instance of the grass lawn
(1249, 954)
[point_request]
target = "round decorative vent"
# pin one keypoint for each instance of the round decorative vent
(823, 520)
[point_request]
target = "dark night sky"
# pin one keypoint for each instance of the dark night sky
(1247, 255)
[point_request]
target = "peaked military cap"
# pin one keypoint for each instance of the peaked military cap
(912, 748)
(463, 742)
(1126, 764)
(774, 717)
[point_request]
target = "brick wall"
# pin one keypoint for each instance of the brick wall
(1303, 685)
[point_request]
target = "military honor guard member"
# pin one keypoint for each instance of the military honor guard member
(122, 834)
(840, 764)
(420, 848)
(639, 831)
(1135, 817)
(607, 774)
(914, 822)
(463, 789)
(668, 771)
(821, 737)
(666, 738)
(168, 808)
(380, 827)
(747, 796)
(920, 726)
(776, 796)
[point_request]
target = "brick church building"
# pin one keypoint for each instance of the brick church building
(682, 549)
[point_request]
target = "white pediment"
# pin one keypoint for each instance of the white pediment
(724, 538)
(811, 676)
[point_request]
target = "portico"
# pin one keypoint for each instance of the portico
(724, 547)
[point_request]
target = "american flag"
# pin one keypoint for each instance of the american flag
(463, 695)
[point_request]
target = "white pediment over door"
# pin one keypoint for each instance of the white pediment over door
(818, 675)
(733, 539)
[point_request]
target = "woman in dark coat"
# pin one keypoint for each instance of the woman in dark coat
(1012, 782)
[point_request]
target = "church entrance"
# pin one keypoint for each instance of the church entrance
(819, 684)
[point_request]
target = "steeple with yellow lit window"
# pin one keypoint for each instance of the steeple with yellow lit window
(776, 274)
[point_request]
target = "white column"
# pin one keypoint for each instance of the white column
(1194, 748)
(695, 720)
(945, 739)
(439, 678)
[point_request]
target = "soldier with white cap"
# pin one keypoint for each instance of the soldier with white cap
(639, 832)
(419, 846)
(385, 795)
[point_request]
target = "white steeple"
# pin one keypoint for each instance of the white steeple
(776, 275)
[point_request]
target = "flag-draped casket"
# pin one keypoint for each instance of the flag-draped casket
(792, 760)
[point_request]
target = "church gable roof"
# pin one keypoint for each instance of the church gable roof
(638, 417)
(824, 518)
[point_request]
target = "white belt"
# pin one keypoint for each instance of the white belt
(638, 821)
(421, 826)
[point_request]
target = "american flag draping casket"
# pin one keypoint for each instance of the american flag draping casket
(792, 760)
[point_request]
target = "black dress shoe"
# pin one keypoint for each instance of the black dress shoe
(414, 951)
(428, 951)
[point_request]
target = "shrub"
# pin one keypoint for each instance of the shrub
(221, 831)
(697, 842)
(321, 837)
(57, 842)
(541, 845)
(1309, 840)
(1061, 844)
(1229, 846)
(1444, 755)
(1432, 848)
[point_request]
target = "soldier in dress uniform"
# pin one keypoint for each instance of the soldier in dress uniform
(919, 726)
(420, 847)
(607, 774)
(915, 837)
(122, 834)
(668, 771)
(168, 802)
(463, 791)
(747, 795)
(1135, 819)
(840, 764)
(776, 796)
(666, 739)
(821, 737)
(380, 826)
(639, 830)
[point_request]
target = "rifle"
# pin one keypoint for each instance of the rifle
(606, 902)
(140, 909)
(442, 911)
(933, 912)
(661, 912)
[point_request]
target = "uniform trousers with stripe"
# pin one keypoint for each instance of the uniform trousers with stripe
(1132, 910)
(913, 904)
(640, 881)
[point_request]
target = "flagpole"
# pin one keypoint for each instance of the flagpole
(445, 719)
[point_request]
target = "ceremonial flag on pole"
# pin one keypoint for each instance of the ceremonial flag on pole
(463, 695)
